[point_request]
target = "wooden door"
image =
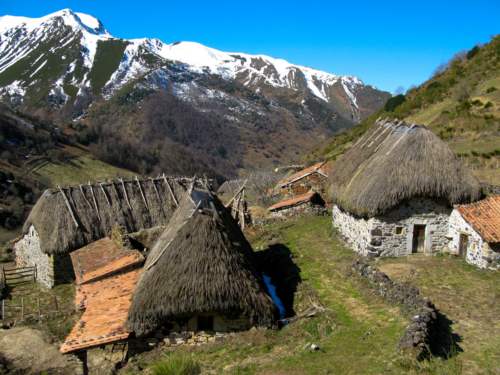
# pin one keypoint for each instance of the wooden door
(463, 244)
(418, 239)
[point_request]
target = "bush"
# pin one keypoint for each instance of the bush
(491, 89)
(394, 102)
(176, 365)
(472, 52)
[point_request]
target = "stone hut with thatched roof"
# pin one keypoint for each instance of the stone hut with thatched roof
(200, 275)
(66, 219)
(395, 188)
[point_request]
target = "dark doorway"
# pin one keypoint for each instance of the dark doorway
(205, 323)
(463, 244)
(418, 239)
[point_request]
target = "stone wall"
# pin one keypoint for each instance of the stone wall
(479, 252)
(29, 253)
(392, 233)
(314, 181)
(220, 324)
(423, 328)
(302, 209)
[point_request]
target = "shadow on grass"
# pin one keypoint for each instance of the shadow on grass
(276, 262)
(443, 342)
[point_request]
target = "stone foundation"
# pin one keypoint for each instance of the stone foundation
(479, 252)
(391, 234)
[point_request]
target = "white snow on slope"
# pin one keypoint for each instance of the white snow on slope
(198, 58)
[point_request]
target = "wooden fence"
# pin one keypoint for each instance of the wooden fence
(28, 308)
(19, 275)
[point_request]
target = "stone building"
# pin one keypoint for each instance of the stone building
(395, 188)
(314, 178)
(66, 219)
(474, 232)
(308, 203)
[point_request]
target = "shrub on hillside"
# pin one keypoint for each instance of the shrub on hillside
(472, 52)
(394, 102)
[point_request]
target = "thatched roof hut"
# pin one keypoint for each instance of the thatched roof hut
(395, 161)
(71, 217)
(202, 263)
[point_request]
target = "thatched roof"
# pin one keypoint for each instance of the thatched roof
(71, 217)
(395, 161)
(202, 263)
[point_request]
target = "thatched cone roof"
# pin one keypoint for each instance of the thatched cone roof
(201, 263)
(395, 161)
(98, 207)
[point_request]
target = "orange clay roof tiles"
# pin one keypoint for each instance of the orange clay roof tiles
(101, 258)
(484, 217)
(293, 201)
(104, 320)
(318, 167)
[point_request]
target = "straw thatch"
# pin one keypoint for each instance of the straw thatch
(202, 263)
(395, 161)
(69, 218)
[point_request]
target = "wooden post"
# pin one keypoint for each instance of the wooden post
(22, 308)
(55, 303)
(70, 209)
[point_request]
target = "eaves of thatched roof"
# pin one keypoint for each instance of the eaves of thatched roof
(71, 217)
(395, 161)
(202, 263)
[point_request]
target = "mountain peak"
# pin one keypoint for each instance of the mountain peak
(76, 20)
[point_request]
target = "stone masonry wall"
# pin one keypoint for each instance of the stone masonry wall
(29, 253)
(392, 233)
(479, 252)
(302, 209)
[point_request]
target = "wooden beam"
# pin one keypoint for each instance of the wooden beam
(85, 197)
(68, 205)
(235, 195)
(95, 201)
(142, 193)
(125, 193)
(105, 194)
(170, 190)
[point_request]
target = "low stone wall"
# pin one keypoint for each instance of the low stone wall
(424, 324)
(302, 209)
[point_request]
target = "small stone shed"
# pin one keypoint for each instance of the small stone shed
(66, 219)
(201, 275)
(394, 189)
(474, 232)
(308, 203)
(314, 178)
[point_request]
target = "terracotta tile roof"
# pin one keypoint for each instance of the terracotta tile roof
(484, 217)
(293, 201)
(318, 167)
(107, 303)
(101, 258)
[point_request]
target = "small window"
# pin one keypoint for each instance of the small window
(399, 230)
(205, 323)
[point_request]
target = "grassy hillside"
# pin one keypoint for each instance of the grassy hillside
(35, 156)
(460, 103)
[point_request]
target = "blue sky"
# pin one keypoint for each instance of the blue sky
(386, 43)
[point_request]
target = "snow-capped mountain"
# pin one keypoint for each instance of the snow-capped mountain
(64, 64)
